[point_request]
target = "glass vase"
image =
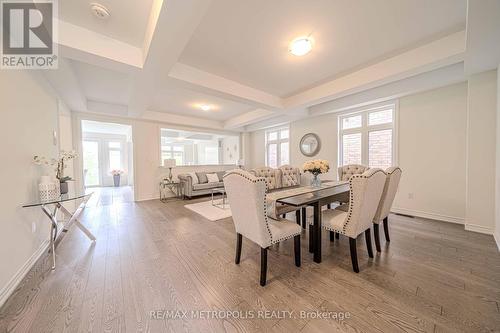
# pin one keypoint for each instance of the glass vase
(316, 181)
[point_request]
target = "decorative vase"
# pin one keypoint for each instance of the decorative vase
(64, 188)
(316, 181)
(49, 191)
(116, 180)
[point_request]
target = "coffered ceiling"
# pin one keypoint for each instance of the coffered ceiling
(161, 60)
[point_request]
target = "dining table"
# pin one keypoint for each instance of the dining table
(317, 198)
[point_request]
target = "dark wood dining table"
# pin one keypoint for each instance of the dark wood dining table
(317, 199)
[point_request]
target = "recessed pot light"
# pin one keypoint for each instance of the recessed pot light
(301, 46)
(205, 107)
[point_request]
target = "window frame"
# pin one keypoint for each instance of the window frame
(365, 130)
(278, 141)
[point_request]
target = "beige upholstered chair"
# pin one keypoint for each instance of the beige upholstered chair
(247, 195)
(365, 193)
(346, 171)
(384, 207)
(290, 176)
(271, 176)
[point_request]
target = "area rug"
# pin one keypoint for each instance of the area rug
(210, 212)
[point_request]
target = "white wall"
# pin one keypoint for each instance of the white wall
(497, 192)
(481, 151)
(432, 138)
(29, 117)
(147, 161)
(324, 126)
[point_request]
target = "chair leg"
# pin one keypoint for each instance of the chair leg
(386, 229)
(283, 216)
(304, 218)
(311, 247)
(337, 235)
(297, 216)
(296, 248)
(377, 237)
(329, 206)
(354, 254)
(238, 248)
(332, 236)
(263, 266)
(368, 238)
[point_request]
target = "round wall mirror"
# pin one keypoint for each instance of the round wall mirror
(310, 144)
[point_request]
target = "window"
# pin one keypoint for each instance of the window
(277, 147)
(367, 137)
(196, 148)
(115, 155)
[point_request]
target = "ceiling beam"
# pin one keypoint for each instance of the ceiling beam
(93, 48)
(175, 119)
(442, 52)
(248, 118)
(67, 86)
(176, 22)
(483, 36)
(412, 85)
(209, 83)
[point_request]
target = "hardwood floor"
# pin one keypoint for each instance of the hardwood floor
(432, 277)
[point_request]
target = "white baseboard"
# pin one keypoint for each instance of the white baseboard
(496, 235)
(479, 228)
(6, 291)
(428, 215)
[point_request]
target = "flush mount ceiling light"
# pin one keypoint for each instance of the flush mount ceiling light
(205, 107)
(99, 11)
(301, 46)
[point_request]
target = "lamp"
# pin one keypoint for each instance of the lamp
(169, 163)
(240, 163)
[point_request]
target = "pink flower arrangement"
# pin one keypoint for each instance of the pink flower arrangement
(116, 172)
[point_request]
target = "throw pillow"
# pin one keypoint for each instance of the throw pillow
(202, 177)
(212, 178)
(194, 177)
(221, 174)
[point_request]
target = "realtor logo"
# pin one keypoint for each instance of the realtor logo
(28, 33)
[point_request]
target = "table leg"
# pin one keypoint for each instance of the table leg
(74, 219)
(317, 232)
(53, 231)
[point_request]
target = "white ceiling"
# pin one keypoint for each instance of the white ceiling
(186, 102)
(234, 55)
(103, 85)
(127, 22)
(247, 41)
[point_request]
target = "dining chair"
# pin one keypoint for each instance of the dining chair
(247, 195)
(364, 197)
(346, 171)
(290, 176)
(385, 204)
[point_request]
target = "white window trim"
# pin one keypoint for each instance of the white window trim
(278, 143)
(365, 129)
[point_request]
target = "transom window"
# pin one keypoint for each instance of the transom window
(278, 147)
(368, 137)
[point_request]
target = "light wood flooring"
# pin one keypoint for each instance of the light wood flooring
(432, 277)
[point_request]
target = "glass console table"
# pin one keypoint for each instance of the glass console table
(55, 231)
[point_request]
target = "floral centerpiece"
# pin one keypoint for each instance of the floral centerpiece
(59, 165)
(316, 167)
(116, 173)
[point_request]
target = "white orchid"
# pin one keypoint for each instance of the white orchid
(59, 164)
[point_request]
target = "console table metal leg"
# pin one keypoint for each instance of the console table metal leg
(74, 219)
(53, 231)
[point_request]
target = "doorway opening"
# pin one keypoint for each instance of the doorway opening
(107, 151)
